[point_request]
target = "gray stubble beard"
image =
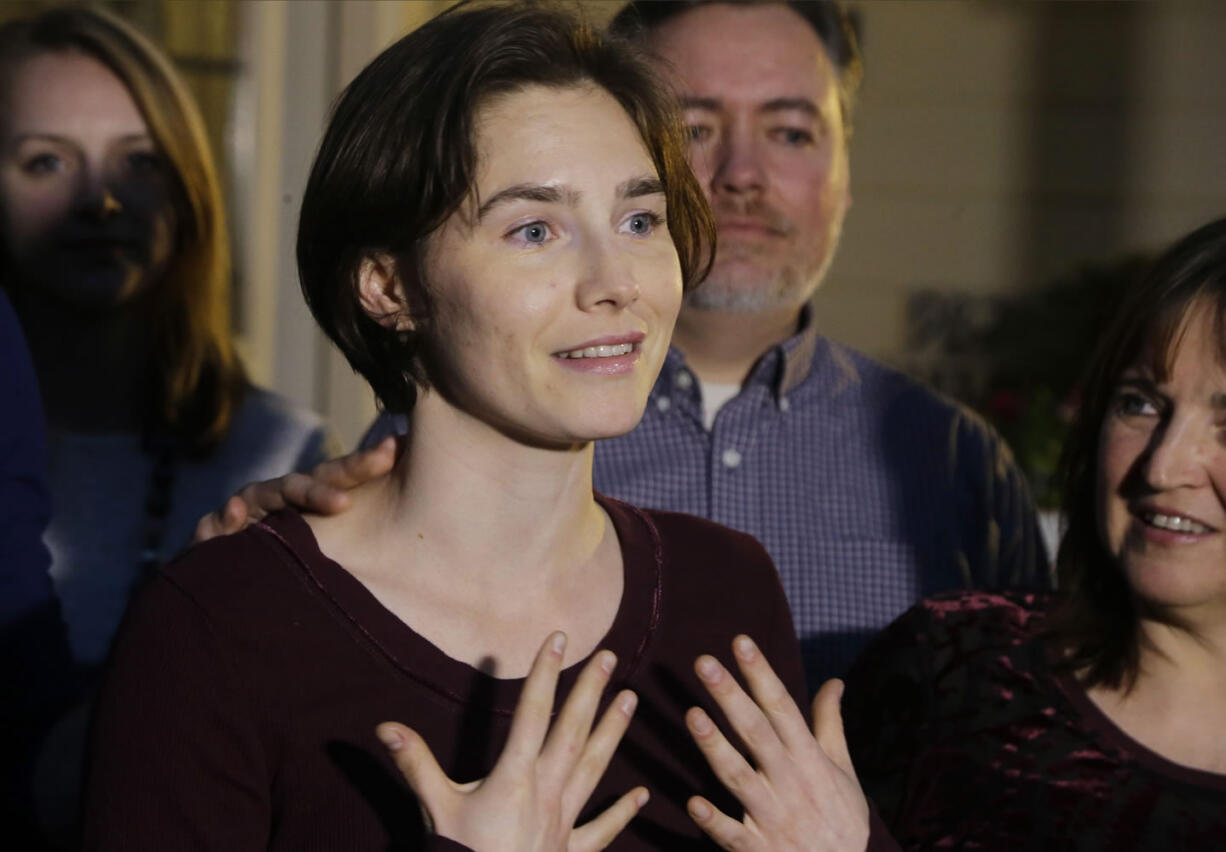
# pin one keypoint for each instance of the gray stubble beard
(787, 288)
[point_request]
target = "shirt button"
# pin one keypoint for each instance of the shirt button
(664, 403)
(731, 458)
(684, 380)
(784, 405)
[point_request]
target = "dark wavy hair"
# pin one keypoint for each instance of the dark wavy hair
(1095, 621)
(199, 381)
(835, 29)
(398, 158)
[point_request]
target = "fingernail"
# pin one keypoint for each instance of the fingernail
(627, 702)
(700, 721)
(641, 798)
(708, 669)
(699, 809)
(390, 738)
(557, 643)
(744, 647)
(608, 662)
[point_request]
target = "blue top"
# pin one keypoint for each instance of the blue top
(36, 673)
(101, 484)
(869, 490)
(25, 507)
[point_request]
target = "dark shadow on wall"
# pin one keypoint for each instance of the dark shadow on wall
(1083, 123)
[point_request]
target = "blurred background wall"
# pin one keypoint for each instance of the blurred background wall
(999, 147)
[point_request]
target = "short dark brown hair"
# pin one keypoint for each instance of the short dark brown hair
(1095, 622)
(398, 159)
(835, 29)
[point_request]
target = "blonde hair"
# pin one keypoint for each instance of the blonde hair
(199, 380)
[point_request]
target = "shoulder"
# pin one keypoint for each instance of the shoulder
(699, 539)
(263, 409)
(712, 568)
(893, 390)
(951, 645)
(973, 620)
(911, 414)
(270, 427)
(241, 576)
(696, 556)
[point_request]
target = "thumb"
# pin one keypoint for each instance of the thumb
(828, 725)
(417, 764)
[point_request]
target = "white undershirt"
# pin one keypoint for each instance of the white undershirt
(713, 398)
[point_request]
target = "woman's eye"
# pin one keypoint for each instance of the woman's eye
(1130, 403)
(42, 164)
(143, 161)
(534, 233)
(642, 224)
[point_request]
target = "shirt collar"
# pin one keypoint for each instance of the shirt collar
(781, 368)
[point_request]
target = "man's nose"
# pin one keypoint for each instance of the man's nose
(739, 168)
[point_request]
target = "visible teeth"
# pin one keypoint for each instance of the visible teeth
(599, 351)
(1176, 523)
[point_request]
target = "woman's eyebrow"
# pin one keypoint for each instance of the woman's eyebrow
(528, 192)
(635, 187)
(639, 186)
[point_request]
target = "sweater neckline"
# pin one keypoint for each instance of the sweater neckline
(1104, 729)
(415, 657)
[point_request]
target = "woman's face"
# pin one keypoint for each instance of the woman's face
(556, 288)
(1162, 474)
(85, 202)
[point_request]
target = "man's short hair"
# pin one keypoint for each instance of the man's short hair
(835, 28)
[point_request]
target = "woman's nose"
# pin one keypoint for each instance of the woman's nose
(97, 198)
(1176, 455)
(607, 280)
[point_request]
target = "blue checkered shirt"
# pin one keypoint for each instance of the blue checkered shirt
(869, 490)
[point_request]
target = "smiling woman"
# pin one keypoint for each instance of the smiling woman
(496, 232)
(1011, 721)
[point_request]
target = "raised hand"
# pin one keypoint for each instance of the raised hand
(322, 491)
(804, 794)
(531, 798)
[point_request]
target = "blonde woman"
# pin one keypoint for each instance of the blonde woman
(114, 252)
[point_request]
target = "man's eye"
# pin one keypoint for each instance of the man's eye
(793, 136)
(698, 132)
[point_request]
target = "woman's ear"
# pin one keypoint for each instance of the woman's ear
(381, 292)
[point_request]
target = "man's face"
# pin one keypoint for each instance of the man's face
(767, 142)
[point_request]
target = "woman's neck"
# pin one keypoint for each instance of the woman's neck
(93, 367)
(1176, 704)
(487, 498)
(483, 544)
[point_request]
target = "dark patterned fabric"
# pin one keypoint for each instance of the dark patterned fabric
(964, 739)
(868, 490)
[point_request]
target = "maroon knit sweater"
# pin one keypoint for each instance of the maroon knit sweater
(247, 680)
